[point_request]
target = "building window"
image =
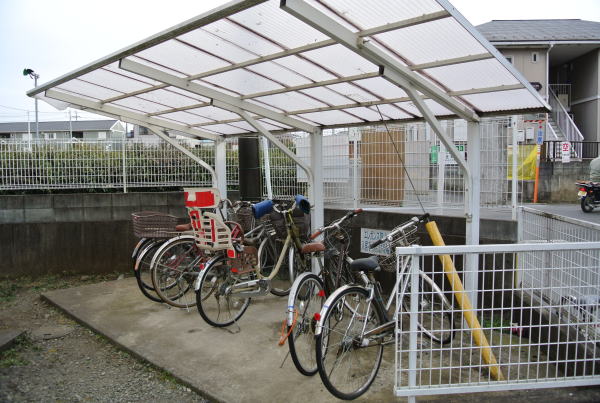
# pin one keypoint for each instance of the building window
(77, 135)
(4, 135)
(510, 59)
(534, 57)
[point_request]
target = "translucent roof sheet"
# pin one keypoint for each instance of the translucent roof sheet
(301, 64)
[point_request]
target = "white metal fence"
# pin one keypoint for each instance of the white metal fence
(527, 337)
(373, 166)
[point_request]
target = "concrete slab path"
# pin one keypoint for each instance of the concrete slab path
(243, 366)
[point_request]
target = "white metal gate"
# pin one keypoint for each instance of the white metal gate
(533, 333)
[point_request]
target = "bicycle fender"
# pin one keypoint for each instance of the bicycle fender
(138, 247)
(166, 245)
(327, 304)
(209, 264)
(292, 295)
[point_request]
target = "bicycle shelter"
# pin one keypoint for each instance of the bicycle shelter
(265, 67)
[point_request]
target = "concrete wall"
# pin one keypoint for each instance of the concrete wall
(78, 233)
(92, 233)
(557, 180)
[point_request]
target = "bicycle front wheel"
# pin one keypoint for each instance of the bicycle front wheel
(307, 298)
(174, 269)
(218, 305)
(435, 311)
(347, 360)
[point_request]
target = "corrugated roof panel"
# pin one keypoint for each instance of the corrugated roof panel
(364, 113)
(382, 88)
(281, 74)
(436, 40)
(341, 61)
(93, 90)
(278, 25)
(212, 113)
(280, 52)
(307, 68)
(233, 33)
(225, 129)
(141, 105)
(185, 117)
(291, 101)
(385, 12)
(243, 82)
(502, 100)
(330, 117)
(479, 74)
(328, 96)
(212, 44)
(173, 98)
(115, 81)
(358, 91)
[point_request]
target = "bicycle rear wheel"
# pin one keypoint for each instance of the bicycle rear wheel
(174, 269)
(143, 274)
(348, 362)
(217, 305)
(307, 298)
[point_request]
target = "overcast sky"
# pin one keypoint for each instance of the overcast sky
(54, 37)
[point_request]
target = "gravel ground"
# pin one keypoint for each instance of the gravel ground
(59, 360)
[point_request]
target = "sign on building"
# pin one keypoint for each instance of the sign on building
(565, 151)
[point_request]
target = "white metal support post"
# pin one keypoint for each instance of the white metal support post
(515, 167)
(221, 167)
(472, 209)
(316, 195)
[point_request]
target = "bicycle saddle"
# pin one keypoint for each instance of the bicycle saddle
(366, 264)
(312, 247)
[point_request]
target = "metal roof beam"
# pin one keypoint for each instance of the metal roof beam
(127, 115)
(392, 70)
(438, 15)
(208, 92)
(453, 61)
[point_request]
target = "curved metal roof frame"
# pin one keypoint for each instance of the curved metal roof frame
(301, 65)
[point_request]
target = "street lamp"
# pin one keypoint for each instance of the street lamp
(35, 76)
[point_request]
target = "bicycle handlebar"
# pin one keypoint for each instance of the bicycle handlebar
(389, 237)
(336, 224)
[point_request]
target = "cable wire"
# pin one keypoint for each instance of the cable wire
(401, 160)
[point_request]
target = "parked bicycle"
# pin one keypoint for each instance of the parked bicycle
(153, 229)
(226, 285)
(355, 324)
(310, 290)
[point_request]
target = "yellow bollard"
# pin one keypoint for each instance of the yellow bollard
(465, 304)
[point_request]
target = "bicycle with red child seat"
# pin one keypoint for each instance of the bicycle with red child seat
(226, 285)
(310, 290)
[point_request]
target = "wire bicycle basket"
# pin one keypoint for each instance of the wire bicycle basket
(153, 224)
(407, 237)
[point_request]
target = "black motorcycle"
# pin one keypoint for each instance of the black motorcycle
(589, 194)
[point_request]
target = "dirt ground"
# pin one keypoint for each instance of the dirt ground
(56, 359)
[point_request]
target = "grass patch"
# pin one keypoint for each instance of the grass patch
(13, 357)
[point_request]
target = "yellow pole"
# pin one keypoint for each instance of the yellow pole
(465, 304)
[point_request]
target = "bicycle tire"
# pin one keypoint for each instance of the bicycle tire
(174, 269)
(435, 317)
(216, 307)
(306, 299)
(347, 366)
(142, 269)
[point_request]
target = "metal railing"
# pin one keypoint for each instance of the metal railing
(562, 91)
(552, 150)
(534, 321)
(563, 120)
